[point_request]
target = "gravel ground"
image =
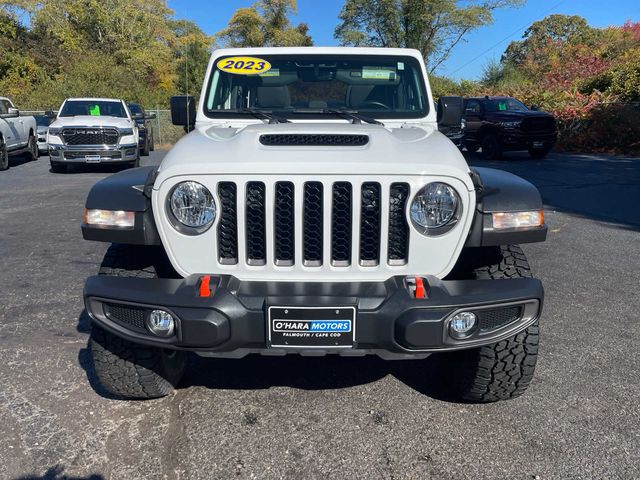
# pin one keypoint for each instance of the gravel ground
(316, 418)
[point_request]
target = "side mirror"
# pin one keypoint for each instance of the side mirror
(534, 108)
(450, 111)
(13, 112)
(49, 114)
(150, 116)
(183, 111)
(137, 116)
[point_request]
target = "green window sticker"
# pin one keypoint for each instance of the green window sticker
(502, 106)
(379, 73)
(94, 110)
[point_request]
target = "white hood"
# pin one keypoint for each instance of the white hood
(406, 150)
(92, 121)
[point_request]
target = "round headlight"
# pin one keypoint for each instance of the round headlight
(193, 206)
(435, 209)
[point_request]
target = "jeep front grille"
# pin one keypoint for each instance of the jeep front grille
(349, 215)
(90, 136)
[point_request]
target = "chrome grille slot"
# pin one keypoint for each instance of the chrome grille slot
(90, 136)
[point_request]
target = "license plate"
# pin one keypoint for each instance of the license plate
(538, 144)
(92, 158)
(311, 327)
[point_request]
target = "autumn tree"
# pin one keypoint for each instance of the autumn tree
(265, 24)
(434, 27)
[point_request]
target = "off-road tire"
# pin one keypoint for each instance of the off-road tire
(4, 156)
(472, 147)
(538, 153)
(152, 144)
(123, 368)
(491, 147)
(144, 151)
(58, 167)
(504, 369)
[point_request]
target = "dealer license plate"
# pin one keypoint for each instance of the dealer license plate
(92, 158)
(311, 327)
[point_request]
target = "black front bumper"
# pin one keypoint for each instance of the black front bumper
(390, 320)
(518, 140)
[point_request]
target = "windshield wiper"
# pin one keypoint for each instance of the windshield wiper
(354, 115)
(262, 115)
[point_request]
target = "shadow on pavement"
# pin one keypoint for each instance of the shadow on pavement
(57, 473)
(601, 187)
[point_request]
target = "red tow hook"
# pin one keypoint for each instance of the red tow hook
(421, 292)
(417, 287)
(205, 286)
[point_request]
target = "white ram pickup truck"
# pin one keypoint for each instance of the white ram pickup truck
(93, 130)
(17, 133)
(315, 209)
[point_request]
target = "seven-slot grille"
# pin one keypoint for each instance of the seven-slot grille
(90, 136)
(349, 215)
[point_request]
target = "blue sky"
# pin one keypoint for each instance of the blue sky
(466, 61)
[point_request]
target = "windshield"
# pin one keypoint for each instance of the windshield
(42, 120)
(311, 85)
(505, 105)
(93, 108)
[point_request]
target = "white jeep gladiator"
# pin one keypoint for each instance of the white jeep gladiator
(17, 133)
(315, 209)
(93, 130)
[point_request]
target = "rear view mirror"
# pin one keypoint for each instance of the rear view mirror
(450, 111)
(183, 111)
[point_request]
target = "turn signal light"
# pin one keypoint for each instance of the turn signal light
(506, 220)
(109, 218)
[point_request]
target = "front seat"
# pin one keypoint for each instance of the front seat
(273, 97)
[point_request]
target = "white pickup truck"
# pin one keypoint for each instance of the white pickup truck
(93, 130)
(17, 133)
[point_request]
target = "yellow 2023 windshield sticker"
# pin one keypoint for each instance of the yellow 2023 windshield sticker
(244, 65)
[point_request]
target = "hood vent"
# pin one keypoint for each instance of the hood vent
(311, 140)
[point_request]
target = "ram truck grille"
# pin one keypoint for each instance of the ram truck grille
(90, 136)
(539, 125)
(354, 222)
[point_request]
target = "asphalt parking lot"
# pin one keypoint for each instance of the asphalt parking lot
(317, 418)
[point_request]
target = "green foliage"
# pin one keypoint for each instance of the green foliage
(265, 24)
(434, 27)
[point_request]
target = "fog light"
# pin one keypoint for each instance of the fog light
(161, 323)
(462, 324)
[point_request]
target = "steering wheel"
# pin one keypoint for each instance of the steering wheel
(375, 104)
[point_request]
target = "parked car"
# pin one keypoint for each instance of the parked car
(282, 225)
(146, 128)
(17, 133)
(93, 130)
(43, 122)
(501, 124)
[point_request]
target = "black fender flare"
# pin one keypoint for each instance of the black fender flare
(129, 190)
(500, 191)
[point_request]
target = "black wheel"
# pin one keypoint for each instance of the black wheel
(58, 167)
(123, 368)
(504, 369)
(4, 156)
(539, 152)
(144, 151)
(32, 152)
(491, 147)
(472, 147)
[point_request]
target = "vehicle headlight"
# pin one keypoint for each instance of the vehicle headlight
(193, 207)
(55, 131)
(126, 131)
(435, 209)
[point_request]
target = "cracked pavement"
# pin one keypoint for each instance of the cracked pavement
(327, 417)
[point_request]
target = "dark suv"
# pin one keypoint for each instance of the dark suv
(499, 124)
(145, 128)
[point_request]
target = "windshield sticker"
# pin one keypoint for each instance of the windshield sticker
(244, 65)
(274, 72)
(379, 73)
(400, 65)
(502, 106)
(94, 110)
